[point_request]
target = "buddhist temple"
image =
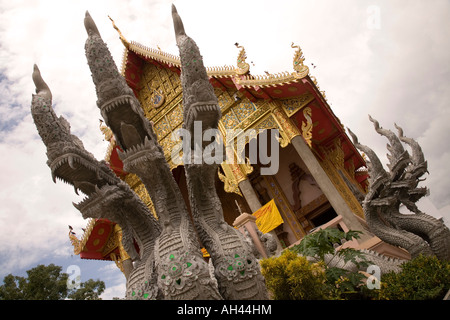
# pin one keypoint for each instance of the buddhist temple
(321, 177)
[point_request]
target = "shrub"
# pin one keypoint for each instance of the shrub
(340, 283)
(422, 278)
(293, 277)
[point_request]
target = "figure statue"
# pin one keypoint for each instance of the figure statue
(236, 268)
(181, 271)
(167, 260)
(106, 195)
(418, 233)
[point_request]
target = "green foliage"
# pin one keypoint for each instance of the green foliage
(42, 283)
(323, 242)
(89, 290)
(12, 288)
(293, 277)
(341, 283)
(47, 283)
(422, 278)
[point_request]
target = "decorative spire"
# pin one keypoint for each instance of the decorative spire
(105, 74)
(90, 25)
(111, 87)
(242, 66)
(199, 100)
(76, 243)
(42, 88)
(121, 36)
(300, 69)
(51, 128)
(178, 25)
(106, 131)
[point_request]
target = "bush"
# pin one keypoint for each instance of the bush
(422, 278)
(340, 283)
(293, 277)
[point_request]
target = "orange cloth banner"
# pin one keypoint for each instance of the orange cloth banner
(268, 217)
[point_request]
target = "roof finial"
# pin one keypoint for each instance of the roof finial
(122, 38)
(242, 66)
(106, 131)
(299, 67)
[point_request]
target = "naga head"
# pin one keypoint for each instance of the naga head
(70, 162)
(398, 157)
(67, 158)
(199, 100)
(101, 202)
(404, 170)
(378, 177)
(113, 202)
(418, 165)
(118, 105)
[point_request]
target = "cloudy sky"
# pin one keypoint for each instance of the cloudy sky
(389, 59)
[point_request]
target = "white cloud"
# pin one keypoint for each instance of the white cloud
(116, 291)
(116, 280)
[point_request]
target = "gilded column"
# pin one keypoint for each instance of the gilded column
(250, 195)
(287, 129)
(236, 179)
(124, 262)
(236, 174)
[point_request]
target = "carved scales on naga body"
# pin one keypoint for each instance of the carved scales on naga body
(106, 195)
(236, 268)
(181, 271)
(169, 264)
(418, 233)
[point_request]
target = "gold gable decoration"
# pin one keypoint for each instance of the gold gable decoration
(160, 95)
(137, 186)
(78, 244)
(332, 164)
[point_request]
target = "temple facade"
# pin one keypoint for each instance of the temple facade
(320, 177)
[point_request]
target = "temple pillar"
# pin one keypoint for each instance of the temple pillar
(123, 261)
(290, 133)
(236, 179)
(249, 195)
(327, 187)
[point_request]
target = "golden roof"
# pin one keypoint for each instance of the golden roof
(240, 74)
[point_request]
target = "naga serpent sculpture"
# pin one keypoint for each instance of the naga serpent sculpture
(418, 233)
(168, 263)
(236, 268)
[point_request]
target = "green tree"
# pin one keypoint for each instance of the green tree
(11, 288)
(47, 283)
(89, 290)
